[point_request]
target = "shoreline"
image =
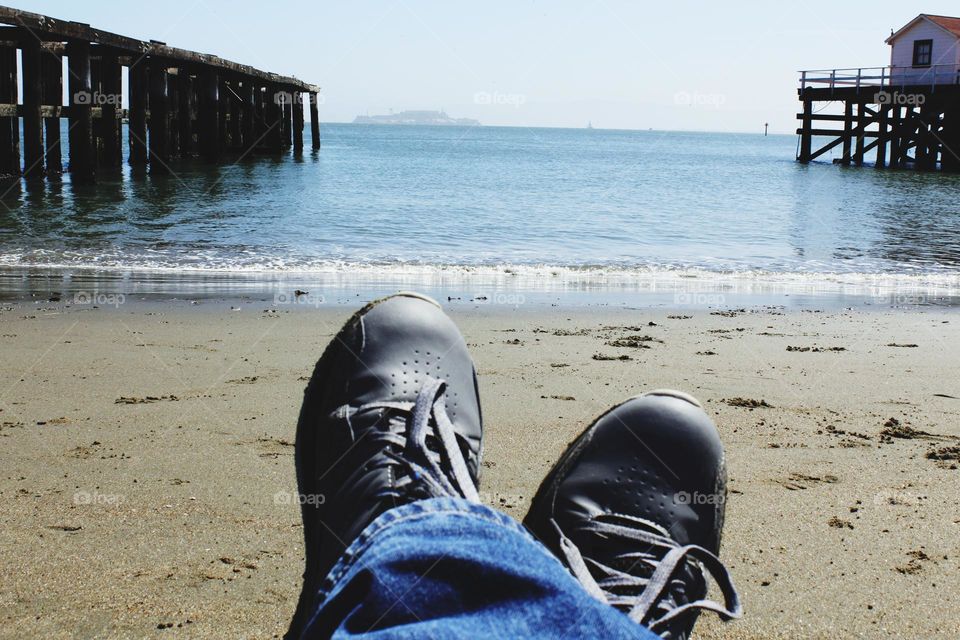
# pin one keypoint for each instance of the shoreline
(488, 286)
(148, 451)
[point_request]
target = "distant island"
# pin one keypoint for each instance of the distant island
(417, 117)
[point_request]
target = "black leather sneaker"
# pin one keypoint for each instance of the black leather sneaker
(634, 509)
(391, 415)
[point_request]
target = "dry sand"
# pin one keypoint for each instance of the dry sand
(147, 458)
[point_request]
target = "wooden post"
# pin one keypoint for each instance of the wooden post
(32, 98)
(273, 112)
(907, 125)
(208, 114)
(921, 152)
(223, 110)
(883, 136)
(806, 135)
(315, 122)
(52, 68)
(938, 136)
(159, 117)
(9, 126)
(111, 103)
(862, 118)
(233, 108)
(297, 132)
(96, 93)
(950, 152)
(82, 167)
(185, 111)
(248, 114)
(896, 126)
(286, 128)
(260, 96)
(847, 130)
(137, 115)
(173, 117)
(930, 117)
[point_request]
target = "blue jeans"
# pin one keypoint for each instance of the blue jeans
(449, 568)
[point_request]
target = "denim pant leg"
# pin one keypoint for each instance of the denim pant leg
(448, 568)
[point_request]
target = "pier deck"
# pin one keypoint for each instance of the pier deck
(179, 103)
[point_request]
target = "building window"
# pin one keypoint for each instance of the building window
(922, 53)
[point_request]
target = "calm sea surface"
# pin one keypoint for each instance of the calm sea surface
(537, 206)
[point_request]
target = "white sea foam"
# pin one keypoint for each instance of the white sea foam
(530, 277)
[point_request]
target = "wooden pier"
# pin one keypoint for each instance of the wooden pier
(903, 117)
(179, 103)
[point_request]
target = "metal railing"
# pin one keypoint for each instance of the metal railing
(881, 77)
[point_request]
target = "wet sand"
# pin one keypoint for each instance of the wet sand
(147, 455)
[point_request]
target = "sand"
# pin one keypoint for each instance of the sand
(147, 455)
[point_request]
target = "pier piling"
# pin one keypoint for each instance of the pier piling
(137, 84)
(297, 107)
(233, 111)
(9, 123)
(112, 87)
(248, 116)
(159, 117)
(52, 95)
(314, 122)
(208, 106)
(223, 112)
(82, 167)
(273, 115)
(186, 95)
(286, 128)
(30, 52)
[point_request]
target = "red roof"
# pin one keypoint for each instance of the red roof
(944, 22)
(950, 24)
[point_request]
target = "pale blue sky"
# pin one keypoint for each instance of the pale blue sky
(669, 65)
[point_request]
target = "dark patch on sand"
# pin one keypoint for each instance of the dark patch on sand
(145, 400)
(892, 428)
(733, 313)
(571, 332)
(839, 523)
(748, 403)
(604, 357)
(949, 454)
(634, 342)
(914, 565)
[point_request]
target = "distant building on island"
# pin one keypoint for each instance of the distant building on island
(907, 113)
(418, 117)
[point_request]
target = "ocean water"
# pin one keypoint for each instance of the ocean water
(491, 208)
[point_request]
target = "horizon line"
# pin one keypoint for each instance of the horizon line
(533, 126)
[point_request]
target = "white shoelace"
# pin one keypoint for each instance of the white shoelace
(652, 599)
